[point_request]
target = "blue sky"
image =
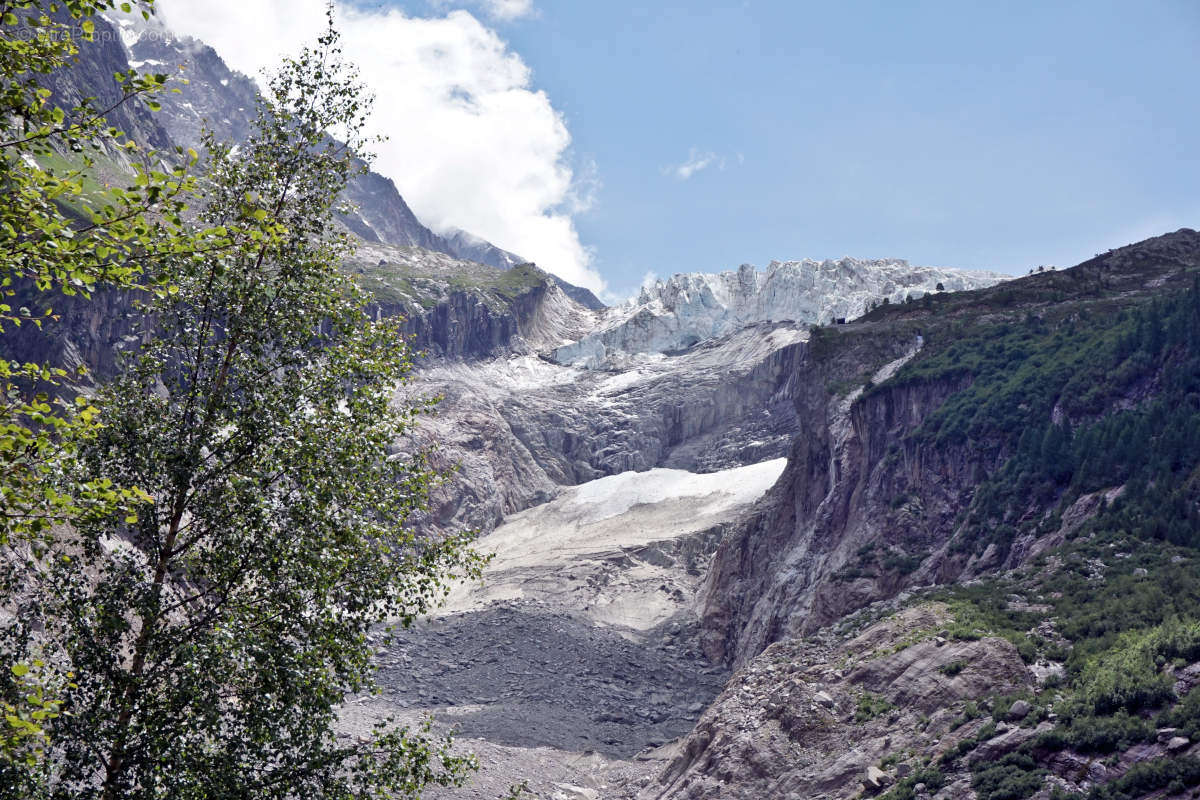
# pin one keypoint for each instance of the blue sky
(939, 132)
(980, 135)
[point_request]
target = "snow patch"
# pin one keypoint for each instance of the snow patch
(611, 549)
(611, 496)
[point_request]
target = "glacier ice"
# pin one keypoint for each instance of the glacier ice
(688, 308)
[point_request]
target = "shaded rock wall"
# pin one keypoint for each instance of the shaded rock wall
(777, 574)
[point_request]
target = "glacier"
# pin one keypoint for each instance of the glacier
(689, 308)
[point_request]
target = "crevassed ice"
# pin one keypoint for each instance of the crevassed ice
(689, 308)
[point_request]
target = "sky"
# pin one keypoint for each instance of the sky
(615, 141)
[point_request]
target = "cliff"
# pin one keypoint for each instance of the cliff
(880, 480)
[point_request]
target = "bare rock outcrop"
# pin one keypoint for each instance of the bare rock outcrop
(811, 718)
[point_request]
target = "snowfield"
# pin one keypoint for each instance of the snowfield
(622, 550)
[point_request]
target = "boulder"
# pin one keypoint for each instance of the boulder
(1019, 710)
(876, 779)
(1006, 742)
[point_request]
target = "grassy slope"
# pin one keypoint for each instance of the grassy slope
(409, 275)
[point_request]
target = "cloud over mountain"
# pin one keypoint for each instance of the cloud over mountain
(471, 143)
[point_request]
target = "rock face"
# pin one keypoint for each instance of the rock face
(520, 427)
(675, 314)
(459, 310)
(858, 477)
(91, 75)
(774, 575)
(821, 717)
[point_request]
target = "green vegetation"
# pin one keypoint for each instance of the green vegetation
(1185, 716)
(964, 746)
(1098, 735)
(1041, 397)
(1119, 629)
(403, 283)
(1128, 676)
(1012, 777)
(874, 559)
(870, 706)
(60, 235)
(1175, 775)
(193, 636)
(905, 788)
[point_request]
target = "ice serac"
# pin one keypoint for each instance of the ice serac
(677, 313)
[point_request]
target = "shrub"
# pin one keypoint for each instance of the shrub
(1127, 676)
(871, 706)
(1014, 777)
(1173, 774)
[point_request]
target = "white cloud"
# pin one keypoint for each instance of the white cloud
(471, 144)
(696, 161)
(509, 9)
(503, 10)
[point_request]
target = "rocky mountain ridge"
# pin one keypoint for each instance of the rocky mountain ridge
(676, 313)
(223, 101)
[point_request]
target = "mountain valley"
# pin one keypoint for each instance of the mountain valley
(827, 529)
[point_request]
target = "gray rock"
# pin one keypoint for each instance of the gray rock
(876, 778)
(1006, 743)
(1178, 744)
(1019, 710)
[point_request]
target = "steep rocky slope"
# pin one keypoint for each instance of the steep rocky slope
(829, 718)
(1032, 683)
(1032, 453)
(450, 309)
(872, 495)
